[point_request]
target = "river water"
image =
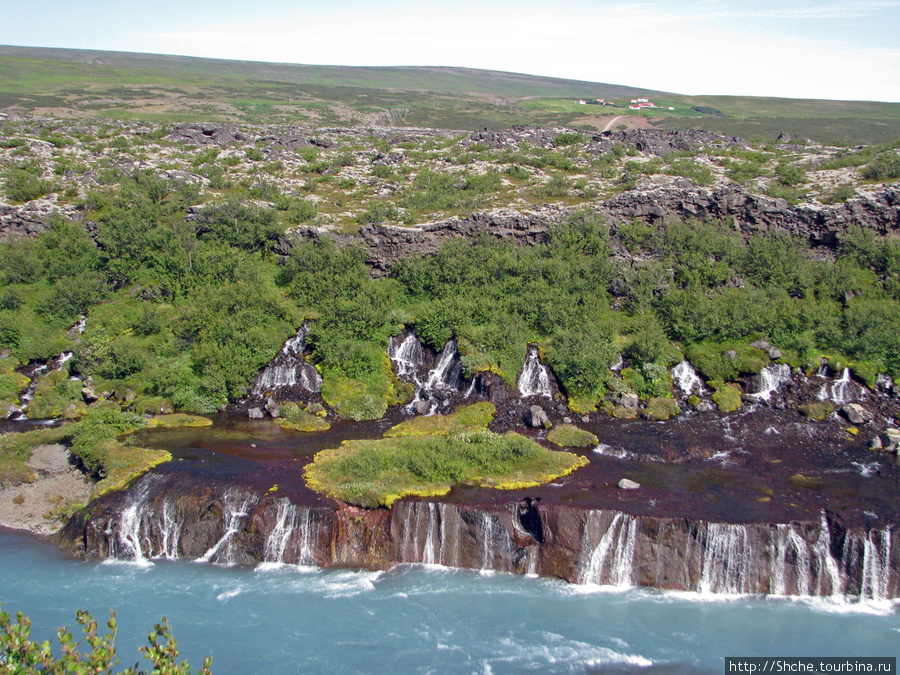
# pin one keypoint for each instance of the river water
(425, 619)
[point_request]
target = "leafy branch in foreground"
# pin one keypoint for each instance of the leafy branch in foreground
(19, 654)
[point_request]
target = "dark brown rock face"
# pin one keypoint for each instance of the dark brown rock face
(580, 545)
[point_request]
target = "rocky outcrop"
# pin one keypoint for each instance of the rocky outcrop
(581, 545)
(384, 245)
(822, 225)
(31, 218)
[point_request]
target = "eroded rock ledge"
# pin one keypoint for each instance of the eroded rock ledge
(821, 225)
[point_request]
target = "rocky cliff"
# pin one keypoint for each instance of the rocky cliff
(821, 557)
(384, 245)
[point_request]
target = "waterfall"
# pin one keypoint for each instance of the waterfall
(407, 355)
(686, 378)
(447, 374)
(289, 368)
(446, 378)
(170, 532)
(534, 380)
(35, 375)
(771, 378)
(611, 562)
(726, 560)
(292, 538)
(124, 535)
(223, 551)
(876, 565)
(840, 391)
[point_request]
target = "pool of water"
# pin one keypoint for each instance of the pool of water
(425, 619)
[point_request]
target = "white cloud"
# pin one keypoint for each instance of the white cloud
(637, 45)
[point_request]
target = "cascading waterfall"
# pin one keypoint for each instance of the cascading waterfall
(292, 537)
(771, 378)
(407, 355)
(726, 560)
(876, 565)
(686, 379)
(447, 374)
(170, 532)
(612, 561)
(534, 380)
(840, 391)
(289, 369)
(28, 394)
(408, 358)
(236, 511)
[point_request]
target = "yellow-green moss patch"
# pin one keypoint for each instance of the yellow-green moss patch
(727, 397)
(295, 418)
(124, 464)
(570, 436)
(378, 472)
(177, 420)
(468, 418)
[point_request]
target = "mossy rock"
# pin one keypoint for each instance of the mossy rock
(693, 400)
(295, 418)
(373, 473)
(570, 436)
(11, 385)
(124, 464)
(621, 412)
(473, 417)
(54, 393)
(818, 410)
(727, 397)
(661, 409)
(583, 405)
(178, 420)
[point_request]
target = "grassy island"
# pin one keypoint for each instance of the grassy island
(377, 473)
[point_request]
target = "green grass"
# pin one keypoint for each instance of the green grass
(475, 417)
(377, 473)
(439, 97)
(570, 436)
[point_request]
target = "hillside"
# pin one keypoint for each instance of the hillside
(81, 83)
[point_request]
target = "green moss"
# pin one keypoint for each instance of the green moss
(475, 417)
(54, 393)
(123, 464)
(372, 473)
(11, 385)
(295, 418)
(177, 420)
(661, 409)
(583, 405)
(570, 436)
(726, 396)
(818, 410)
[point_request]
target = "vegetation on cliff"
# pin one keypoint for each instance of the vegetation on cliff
(190, 282)
(377, 473)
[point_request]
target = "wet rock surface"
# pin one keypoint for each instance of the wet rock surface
(800, 504)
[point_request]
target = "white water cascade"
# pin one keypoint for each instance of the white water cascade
(288, 369)
(292, 539)
(686, 379)
(28, 394)
(237, 508)
(433, 387)
(771, 379)
(841, 391)
(534, 380)
(611, 562)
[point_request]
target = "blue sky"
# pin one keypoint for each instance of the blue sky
(841, 49)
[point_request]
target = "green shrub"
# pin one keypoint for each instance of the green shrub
(568, 138)
(23, 186)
